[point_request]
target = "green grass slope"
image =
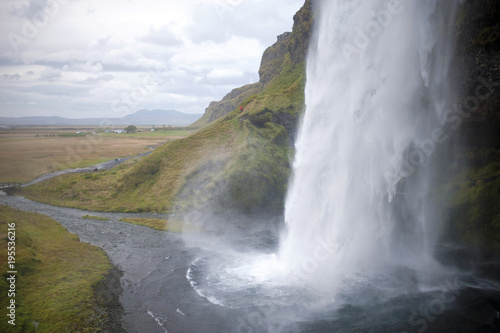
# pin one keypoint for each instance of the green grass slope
(239, 161)
(58, 277)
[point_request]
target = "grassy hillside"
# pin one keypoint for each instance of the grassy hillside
(230, 102)
(148, 184)
(58, 280)
(238, 161)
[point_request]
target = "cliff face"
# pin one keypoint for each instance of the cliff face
(472, 181)
(294, 45)
(290, 45)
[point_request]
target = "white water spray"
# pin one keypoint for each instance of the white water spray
(377, 87)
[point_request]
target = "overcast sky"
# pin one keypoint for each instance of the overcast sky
(108, 58)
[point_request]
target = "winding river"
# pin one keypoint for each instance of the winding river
(156, 296)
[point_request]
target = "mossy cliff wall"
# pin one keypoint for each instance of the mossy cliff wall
(472, 183)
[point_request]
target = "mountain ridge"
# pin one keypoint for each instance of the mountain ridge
(140, 117)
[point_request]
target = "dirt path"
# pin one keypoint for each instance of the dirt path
(102, 166)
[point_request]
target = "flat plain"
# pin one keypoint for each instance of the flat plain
(28, 152)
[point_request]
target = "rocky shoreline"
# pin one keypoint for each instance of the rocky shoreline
(108, 306)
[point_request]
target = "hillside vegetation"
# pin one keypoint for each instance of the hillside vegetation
(60, 280)
(239, 160)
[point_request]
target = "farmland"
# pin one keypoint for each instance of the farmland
(28, 152)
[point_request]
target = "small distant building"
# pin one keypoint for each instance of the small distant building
(152, 130)
(118, 131)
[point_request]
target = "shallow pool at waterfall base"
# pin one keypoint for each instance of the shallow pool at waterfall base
(461, 303)
(473, 310)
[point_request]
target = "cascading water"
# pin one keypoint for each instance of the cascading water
(361, 222)
(377, 87)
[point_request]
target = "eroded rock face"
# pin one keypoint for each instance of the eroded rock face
(478, 57)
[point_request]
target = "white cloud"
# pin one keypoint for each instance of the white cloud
(238, 52)
(224, 73)
(86, 55)
(162, 36)
(51, 74)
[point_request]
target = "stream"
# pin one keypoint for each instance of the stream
(156, 294)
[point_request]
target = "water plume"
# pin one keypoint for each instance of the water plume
(377, 86)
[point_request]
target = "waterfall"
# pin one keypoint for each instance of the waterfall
(376, 93)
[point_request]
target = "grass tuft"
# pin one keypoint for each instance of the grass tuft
(98, 218)
(158, 224)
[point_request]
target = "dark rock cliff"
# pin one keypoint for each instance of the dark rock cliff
(471, 185)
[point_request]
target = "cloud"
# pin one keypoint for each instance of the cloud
(221, 20)
(51, 74)
(92, 53)
(236, 52)
(31, 9)
(8, 77)
(224, 73)
(89, 67)
(100, 78)
(162, 36)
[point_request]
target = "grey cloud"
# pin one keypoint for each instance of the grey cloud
(74, 71)
(4, 61)
(213, 89)
(51, 74)
(218, 23)
(126, 68)
(163, 36)
(100, 78)
(16, 76)
(49, 89)
(106, 43)
(30, 9)
(10, 77)
(208, 25)
(114, 60)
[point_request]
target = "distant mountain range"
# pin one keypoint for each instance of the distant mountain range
(141, 117)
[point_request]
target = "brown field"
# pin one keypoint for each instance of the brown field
(28, 152)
